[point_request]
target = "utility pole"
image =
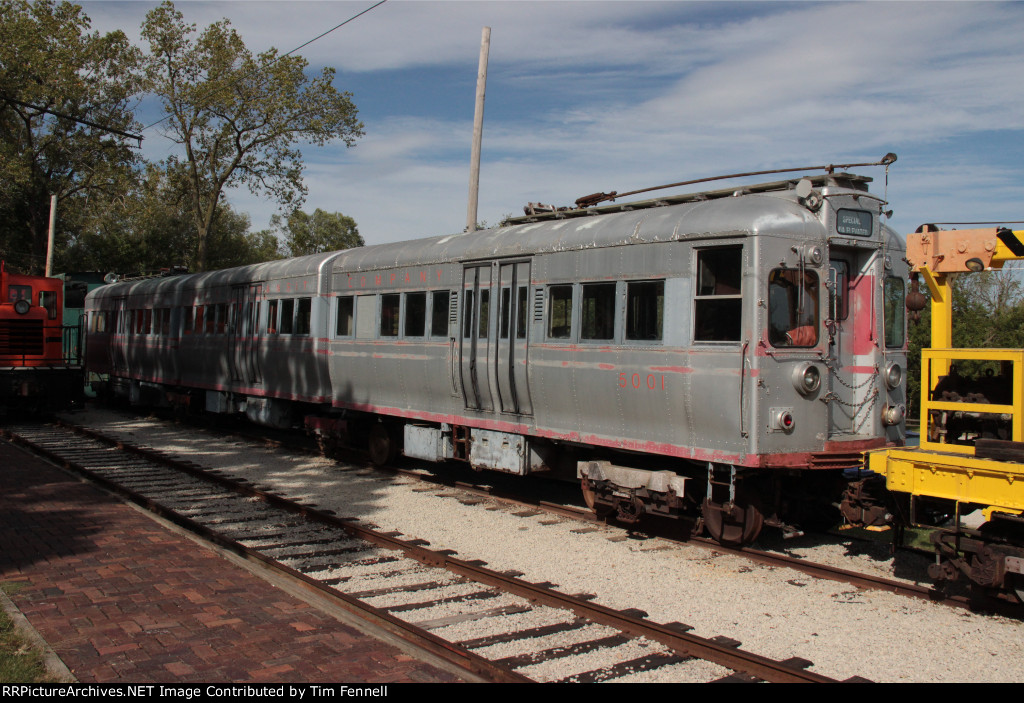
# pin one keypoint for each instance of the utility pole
(478, 131)
(49, 236)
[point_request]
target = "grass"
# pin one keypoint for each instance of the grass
(19, 661)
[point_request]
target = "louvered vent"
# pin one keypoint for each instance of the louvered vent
(21, 337)
(538, 305)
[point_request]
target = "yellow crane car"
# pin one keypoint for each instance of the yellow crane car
(971, 453)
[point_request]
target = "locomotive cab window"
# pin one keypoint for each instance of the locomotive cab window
(48, 300)
(560, 312)
(718, 304)
(16, 293)
(792, 308)
(645, 310)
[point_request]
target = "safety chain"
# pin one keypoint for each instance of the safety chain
(835, 375)
(873, 397)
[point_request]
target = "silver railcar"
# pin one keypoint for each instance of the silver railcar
(726, 353)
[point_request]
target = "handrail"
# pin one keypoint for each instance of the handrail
(931, 408)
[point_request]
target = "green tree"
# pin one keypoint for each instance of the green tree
(988, 312)
(54, 73)
(238, 117)
(149, 227)
(322, 231)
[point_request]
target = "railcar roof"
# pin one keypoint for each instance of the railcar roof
(760, 208)
(763, 208)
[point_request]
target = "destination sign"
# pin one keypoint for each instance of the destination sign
(853, 222)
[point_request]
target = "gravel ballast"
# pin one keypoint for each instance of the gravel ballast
(776, 612)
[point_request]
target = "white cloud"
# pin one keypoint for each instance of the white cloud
(720, 87)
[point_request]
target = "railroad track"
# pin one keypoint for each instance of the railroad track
(495, 625)
(513, 493)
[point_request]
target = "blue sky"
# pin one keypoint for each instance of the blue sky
(599, 96)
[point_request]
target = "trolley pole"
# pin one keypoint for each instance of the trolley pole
(478, 131)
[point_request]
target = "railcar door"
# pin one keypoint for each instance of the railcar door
(476, 337)
(245, 367)
(851, 343)
(119, 338)
(511, 348)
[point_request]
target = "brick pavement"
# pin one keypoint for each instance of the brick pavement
(121, 598)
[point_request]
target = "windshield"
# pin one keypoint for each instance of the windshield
(793, 308)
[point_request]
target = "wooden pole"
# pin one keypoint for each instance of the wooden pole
(478, 131)
(49, 236)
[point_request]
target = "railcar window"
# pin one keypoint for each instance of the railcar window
(287, 316)
(793, 308)
(165, 328)
(645, 310)
(211, 319)
(521, 314)
(718, 305)
(303, 316)
(506, 312)
(272, 317)
(389, 308)
(560, 312)
(415, 315)
(839, 294)
(895, 304)
(439, 313)
(345, 309)
(485, 309)
(467, 314)
(598, 314)
(222, 318)
(254, 321)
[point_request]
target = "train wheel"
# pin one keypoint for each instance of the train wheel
(733, 528)
(590, 498)
(382, 445)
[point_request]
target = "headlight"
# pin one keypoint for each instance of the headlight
(21, 306)
(894, 414)
(893, 376)
(807, 378)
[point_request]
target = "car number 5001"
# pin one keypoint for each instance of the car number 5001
(638, 381)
